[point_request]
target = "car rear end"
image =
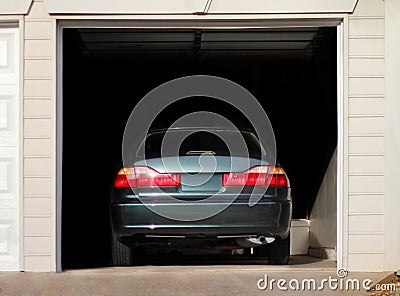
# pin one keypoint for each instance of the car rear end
(189, 203)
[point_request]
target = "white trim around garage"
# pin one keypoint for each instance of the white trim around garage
(192, 7)
(14, 7)
(341, 196)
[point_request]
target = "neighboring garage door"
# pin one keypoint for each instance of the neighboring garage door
(9, 172)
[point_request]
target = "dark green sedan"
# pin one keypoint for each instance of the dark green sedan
(203, 195)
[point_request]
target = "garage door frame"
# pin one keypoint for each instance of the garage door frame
(216, 22)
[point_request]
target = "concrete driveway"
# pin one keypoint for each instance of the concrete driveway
(210, 277)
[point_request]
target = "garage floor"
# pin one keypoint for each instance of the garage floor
(221, 279)
(219, 263)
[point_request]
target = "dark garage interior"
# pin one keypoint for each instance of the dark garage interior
(292, 72)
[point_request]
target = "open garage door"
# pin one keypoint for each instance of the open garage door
(291, 71)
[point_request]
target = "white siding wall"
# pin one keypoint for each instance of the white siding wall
(366, 136)
(39, 236)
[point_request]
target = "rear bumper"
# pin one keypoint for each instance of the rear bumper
(268, 218)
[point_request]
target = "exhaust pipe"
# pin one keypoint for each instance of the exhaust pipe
(250, 242)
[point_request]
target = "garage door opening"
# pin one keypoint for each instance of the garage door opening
(291, 71)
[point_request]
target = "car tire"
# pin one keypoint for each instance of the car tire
(122, 254)
(279, 251)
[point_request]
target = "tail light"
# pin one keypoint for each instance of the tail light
(143, 176)
(257, 176)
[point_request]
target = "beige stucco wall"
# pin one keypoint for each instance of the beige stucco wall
(364, 127)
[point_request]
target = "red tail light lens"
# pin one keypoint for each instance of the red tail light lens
(143, 176)
(257, 176)
(125, 178)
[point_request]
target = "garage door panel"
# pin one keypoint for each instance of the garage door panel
(7, 114)
(4, 103)
(8, 246)
(6, 165)
(7, 56)
(8, 233)
(9, 195)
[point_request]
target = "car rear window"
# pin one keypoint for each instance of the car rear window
(201, 142)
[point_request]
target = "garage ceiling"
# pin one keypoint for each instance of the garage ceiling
(293, 40)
